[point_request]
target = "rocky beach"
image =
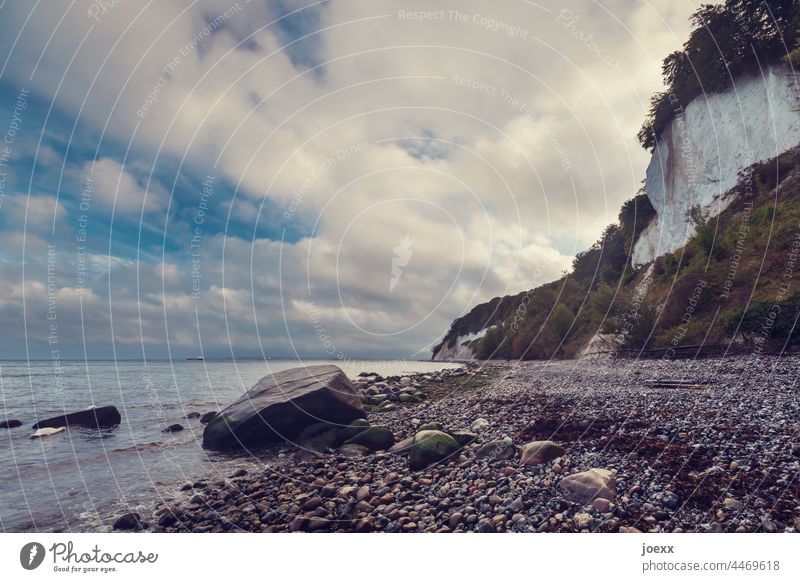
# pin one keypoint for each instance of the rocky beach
(564, 446)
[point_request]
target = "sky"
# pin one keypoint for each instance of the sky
(287, 178)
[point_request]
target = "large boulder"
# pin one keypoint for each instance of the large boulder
(539, 452)
(588, 485)
(281, 405)
(431, 446)
(103, 417)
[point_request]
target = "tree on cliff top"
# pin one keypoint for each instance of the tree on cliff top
(728, 40)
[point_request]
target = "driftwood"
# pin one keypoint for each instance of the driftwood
(667, 383)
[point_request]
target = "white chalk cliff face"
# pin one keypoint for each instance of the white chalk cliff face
(700, 154)
(459, 351)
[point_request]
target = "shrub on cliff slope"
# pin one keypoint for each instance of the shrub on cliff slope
(750, 292)
(556, 319)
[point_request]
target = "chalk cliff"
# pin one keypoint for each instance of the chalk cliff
(701, 153)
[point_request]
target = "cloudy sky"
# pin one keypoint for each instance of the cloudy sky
(287, 177)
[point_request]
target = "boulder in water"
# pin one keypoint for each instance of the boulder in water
(281, 405)
(103, 417)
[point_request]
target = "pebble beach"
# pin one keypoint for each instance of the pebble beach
(678, 446)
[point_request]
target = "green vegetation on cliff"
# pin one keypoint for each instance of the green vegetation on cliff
(735, 285)
(728, 40)
(553, 320)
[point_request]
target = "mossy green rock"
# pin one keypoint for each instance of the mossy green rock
(375, 438)
(432, 426)
(355, 427)
(431, 446)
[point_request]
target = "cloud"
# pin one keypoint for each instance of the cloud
(500, 139)
(112, 186)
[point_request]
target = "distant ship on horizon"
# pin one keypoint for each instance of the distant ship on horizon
(195, 358)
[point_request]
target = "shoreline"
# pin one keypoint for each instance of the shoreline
(720, 458)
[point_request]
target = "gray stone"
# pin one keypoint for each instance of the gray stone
(539, 452)
(281, 405)
(588, 485)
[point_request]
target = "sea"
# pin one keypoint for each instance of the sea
(79, 480)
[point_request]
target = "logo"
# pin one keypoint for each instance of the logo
(402, 255)
(31, 555)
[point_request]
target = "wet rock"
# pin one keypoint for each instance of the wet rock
(129, 522)
(103, 417)
(206, 418)
(167, 519)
